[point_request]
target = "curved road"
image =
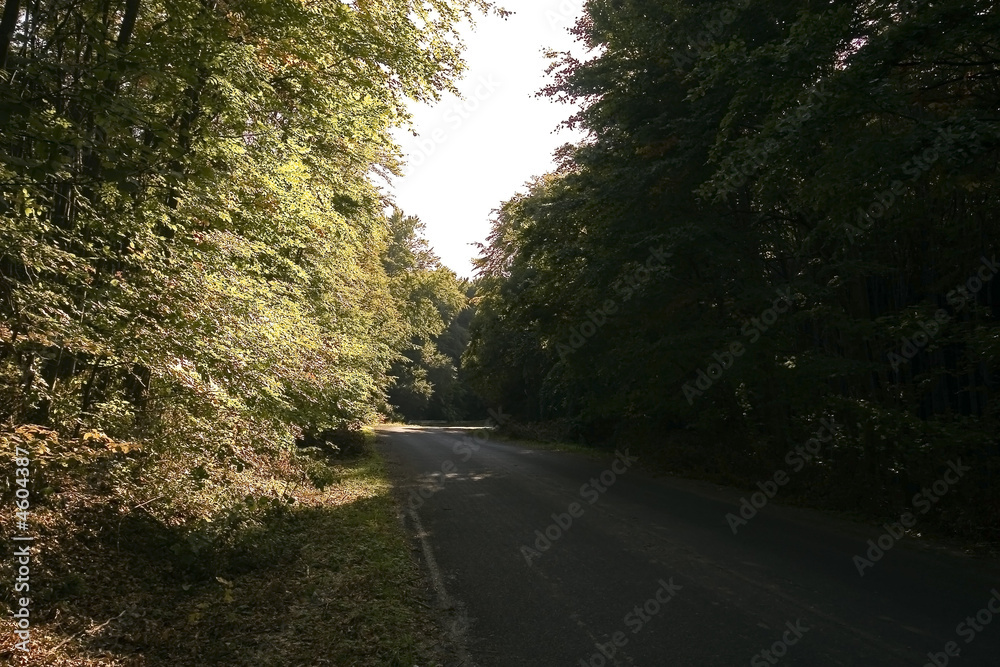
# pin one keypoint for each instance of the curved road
(548, 558)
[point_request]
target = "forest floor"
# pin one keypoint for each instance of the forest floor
(310, 576)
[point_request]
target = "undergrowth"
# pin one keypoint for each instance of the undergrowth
(287, 557)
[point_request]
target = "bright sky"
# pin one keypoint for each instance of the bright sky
(474, 153)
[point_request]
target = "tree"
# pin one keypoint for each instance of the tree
(191, 240)
(430, 297)
(821, 177)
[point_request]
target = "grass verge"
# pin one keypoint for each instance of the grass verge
(554, 446)
(312, 568)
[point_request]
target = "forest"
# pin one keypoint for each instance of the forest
(785, 213)
(194, 245)
(783, 218)
(200, 275)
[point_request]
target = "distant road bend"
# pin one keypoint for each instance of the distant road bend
(551, 558)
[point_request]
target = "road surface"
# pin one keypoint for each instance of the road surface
(548, 558)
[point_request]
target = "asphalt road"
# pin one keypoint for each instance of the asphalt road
(634, 570)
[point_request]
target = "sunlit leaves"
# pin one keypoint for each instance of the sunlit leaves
(191, 238)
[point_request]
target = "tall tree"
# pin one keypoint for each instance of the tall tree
(191, 237)
(821, 176)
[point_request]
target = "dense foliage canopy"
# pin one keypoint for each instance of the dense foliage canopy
(785, 213)
(428, 385)
(193, 249)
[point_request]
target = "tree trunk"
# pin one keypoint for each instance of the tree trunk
(11, 10)
(128, 24)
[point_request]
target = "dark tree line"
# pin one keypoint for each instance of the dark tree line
(841, 154)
